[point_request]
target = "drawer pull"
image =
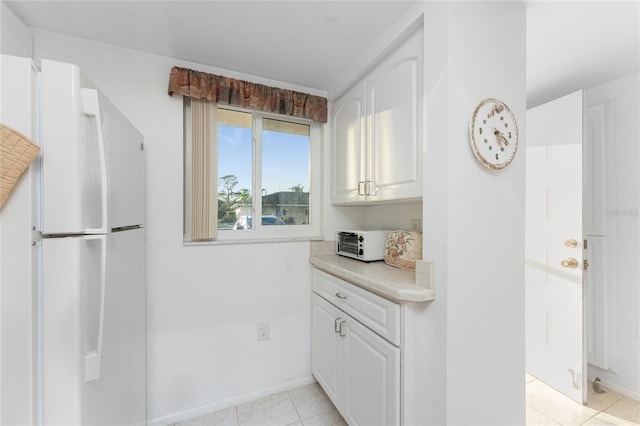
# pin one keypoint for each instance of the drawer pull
(340, 296)
(341, 323)
(335, 325)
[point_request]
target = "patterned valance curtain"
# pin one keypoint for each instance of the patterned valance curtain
(225, 90)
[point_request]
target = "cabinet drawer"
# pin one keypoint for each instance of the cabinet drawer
(377, 313)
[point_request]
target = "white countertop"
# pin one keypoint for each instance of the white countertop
(378, 277)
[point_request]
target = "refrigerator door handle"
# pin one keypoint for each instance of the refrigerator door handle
(92, 360)
(91, 108)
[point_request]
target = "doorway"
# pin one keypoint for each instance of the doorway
(581, 292)
(554, 252)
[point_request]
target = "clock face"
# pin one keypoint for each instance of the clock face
(494, 134)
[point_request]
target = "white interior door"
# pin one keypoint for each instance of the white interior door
(554, 246)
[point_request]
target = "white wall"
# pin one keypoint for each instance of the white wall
(16, 302)
(18, 289)
(203, 302)
(485, 221)
(623, 225)
(15, 37)
(473, 219)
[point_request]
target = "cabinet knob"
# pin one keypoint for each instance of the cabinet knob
(335, 325)
(340, 296)
(341, 324)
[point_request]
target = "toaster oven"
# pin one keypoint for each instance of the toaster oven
(366, 245)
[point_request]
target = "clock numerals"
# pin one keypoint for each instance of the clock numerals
(493, 123)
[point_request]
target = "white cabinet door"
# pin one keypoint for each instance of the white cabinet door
(348, 146)
(325, 347)
(377, 132)
(394, 109)
(371, 377)
(358, 369)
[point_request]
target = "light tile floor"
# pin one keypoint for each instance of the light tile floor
(546, 406)
(310, 406)
(307, 405)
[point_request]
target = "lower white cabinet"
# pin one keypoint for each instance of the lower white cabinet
(358, 369)
(371, 377)
(326, 347)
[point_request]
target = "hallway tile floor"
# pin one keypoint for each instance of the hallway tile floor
(546, 406)
(304, 406)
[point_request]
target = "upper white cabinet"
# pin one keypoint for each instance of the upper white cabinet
(348, 146)
(377, 131)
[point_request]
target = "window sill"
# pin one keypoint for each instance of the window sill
(263, 240)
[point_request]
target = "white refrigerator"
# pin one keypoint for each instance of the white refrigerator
(83, 202)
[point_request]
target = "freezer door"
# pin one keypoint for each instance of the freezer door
(93, 329)
(126, 166)
(92, 158)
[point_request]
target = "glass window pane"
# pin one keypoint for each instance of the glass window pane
(285, 173)
(234, 169)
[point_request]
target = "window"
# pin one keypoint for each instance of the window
(267, 166)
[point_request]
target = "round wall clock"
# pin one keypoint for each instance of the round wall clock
(493, 134)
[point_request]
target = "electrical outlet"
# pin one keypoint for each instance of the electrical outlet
(415, 224)
(263, 331)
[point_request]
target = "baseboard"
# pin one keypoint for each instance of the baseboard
(630, 393)
(221, 405)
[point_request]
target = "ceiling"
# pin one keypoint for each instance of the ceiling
(576, 45)
(299, 42)
(570, 45)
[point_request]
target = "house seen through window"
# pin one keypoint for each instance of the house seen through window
(263, 171)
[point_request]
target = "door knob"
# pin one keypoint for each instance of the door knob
(570, 263)
(571, 243)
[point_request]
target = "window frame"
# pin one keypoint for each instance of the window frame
(260, 233)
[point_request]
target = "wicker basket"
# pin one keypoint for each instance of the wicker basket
(16, 153)
(403, 248)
